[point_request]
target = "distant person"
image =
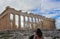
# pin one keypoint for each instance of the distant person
(37, 34)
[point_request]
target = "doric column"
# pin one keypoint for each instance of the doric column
(35, 20)
(28, 18)
(24, 21)
(28, 23)
(42, 24)
(9, 22)
(32, 23)
(38, 23)
(35, 23)
(19, 22)
(38, 19)
(14, 26)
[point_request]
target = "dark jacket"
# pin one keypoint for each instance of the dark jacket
(31, 37)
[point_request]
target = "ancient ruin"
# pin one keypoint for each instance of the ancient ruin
(12, 19)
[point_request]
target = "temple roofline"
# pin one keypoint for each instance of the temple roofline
(9, 8)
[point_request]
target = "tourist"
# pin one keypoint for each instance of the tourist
(37, 34)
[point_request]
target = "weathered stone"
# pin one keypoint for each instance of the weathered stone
(40, 21)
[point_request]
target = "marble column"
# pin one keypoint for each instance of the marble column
(9, 22)
(35, 23)
(35, 20)
(13, 27)
(28, 18)
(28, 23)
(38, 19)
(24, 21)
(32, 23)
(19, 22)
(42, 23)
(38, 23)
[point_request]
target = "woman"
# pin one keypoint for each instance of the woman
(37, 34)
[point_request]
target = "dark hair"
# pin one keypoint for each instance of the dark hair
(38, 32)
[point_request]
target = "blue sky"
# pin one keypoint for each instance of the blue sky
(47, 8)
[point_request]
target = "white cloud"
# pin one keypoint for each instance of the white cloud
(9, 0)
(44, 5)
(49, 5)
(20, 4)
(49, 15)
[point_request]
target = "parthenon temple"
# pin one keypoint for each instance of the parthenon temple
(11, 19)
